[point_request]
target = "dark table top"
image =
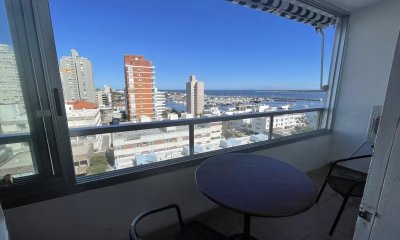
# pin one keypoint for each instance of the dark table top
(255, 185)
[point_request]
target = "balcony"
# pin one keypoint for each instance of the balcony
(313, 224)
(209, 135)
(77, 205)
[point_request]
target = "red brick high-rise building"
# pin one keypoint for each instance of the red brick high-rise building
(139, 87)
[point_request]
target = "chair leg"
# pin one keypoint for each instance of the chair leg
(339, 214)
(321, 191)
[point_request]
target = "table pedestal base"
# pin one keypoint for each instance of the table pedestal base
(246, 230)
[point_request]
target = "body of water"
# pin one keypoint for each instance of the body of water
(298, 99)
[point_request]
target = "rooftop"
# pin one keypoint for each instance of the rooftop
(82, 105)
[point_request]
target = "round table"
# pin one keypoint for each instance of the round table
(255, 185)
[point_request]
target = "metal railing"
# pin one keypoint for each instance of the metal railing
(15, 138)
(76, 132)
(191, 158)
(84, 131)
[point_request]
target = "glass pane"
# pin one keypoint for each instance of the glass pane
(112, 151)
(143, 79)
(16, 159)
(207, 137)
(227, 134)
(290, 124)
(13, 117)
(139, 78)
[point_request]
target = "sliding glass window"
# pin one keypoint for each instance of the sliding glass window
(28, 149)
(135, 86)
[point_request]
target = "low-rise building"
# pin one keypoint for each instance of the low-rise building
(13, 119)
(103, 99)
(261, 125)
(159, 104)
(82, 114)
(82, 155)
(144, 146)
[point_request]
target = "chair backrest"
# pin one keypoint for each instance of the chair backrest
(360, 166)
(133, 234)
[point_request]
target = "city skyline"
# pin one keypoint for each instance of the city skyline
(216, 47)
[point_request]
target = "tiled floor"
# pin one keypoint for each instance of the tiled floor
(311, 225)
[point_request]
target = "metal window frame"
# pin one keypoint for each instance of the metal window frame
(335, 72)
(68, 183)
(30, 68)
(41, 137)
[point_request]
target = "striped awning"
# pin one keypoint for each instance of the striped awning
(291, 9)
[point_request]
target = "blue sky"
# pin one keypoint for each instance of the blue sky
(5, 36)
(225, 45)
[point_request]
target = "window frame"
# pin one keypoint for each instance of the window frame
(41, 34)
(49, 179)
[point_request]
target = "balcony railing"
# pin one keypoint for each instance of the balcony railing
(128, 146)
(124, 148)
(74, 132)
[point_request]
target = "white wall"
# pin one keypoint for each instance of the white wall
(304, 154)
(106, 213)
(372, 38)
(381, 193)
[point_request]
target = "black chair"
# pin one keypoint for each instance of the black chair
(350, 184)
(190, 231)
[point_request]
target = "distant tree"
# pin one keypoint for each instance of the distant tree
(305, 123)
(124, 117)
(164, 114)
(110, 156)
(229, 132)
(98, 164)
(176, 112)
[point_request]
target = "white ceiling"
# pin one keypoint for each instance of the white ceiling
(352, 5)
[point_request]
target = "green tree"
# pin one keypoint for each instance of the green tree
(176, 112)
(165, 114)
(229, 132)
(98, 164)
(124, 117)
(305, 123)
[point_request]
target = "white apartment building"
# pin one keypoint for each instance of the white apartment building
(212, 111)
(264, 108)
(10, 86)
(82, 155)
(261, 125)
(194, 96)
(13, 118)
(84, 118)
(107, 89)
(77, 78)
(144, 146)
(103, 99)
(159, 104)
